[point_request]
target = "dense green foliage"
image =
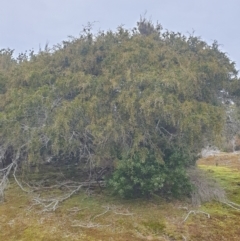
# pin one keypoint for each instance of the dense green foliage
(136, 177)
(127, 100)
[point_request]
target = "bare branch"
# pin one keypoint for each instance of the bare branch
(75, 209)
(184, 238)
(195, 212)
(90, 225)
(4, 181)
(101, 213)
(51, 204)
(233, 205)
(16, 180)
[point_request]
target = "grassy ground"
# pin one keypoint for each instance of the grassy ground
(114, 219)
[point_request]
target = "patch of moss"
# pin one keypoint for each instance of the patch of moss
(228, 178)
(154, 226)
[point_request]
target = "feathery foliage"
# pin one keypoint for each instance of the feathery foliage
(139, 103)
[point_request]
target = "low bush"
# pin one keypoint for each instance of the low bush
(136, 177)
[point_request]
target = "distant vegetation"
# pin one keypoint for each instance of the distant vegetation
(129, 107)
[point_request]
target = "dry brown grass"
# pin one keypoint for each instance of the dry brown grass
(231, 160)
(125, 220)
(154, 219)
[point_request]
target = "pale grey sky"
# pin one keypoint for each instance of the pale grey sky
(28, 24)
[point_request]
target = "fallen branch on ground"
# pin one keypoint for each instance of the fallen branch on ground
(75, 209)
(51, 204)
(16, 180)
(232, 205)
(90, 225)
(101, 213)
(195, 212)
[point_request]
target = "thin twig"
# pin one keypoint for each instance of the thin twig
(75, 209)
(184, 238)
(194, 212)
(90, 225)
(101, 213)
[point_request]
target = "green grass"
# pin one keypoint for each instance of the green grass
(228, 178)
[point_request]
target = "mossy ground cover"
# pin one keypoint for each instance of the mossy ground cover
(115, 219)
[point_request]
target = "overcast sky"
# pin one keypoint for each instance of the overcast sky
(28, 24)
